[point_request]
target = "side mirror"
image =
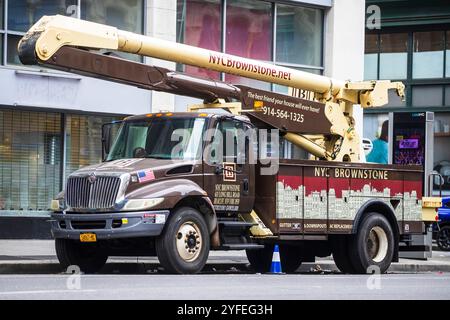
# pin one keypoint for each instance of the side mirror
(109, 133)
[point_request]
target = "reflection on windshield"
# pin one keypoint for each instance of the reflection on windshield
(160, 138)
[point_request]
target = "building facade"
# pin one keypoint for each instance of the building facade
(412, 44)
(50, 122)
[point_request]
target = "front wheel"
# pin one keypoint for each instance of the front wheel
(183, 247)
(443, 238)
(89, 257)
(373, 245)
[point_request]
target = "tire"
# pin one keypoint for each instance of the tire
(341, 256)
(186, 227)
(87, 256)
(261, 259)
(443, 238)
(372, 245)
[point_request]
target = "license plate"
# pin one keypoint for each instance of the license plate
(88, 237)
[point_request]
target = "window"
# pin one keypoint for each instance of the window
(160, 138)
(427, 96)
(393, 56)
(299, 35)
(30, 159)
(447, 56)
(124, 15)
(447, 95)
(371, 57)
(428, 56)
(22, 14)
(230, 143)
(84, 140)
(249, 34)
(1, 14)
(285, 90)
(1, 49)
(12, 57)
(199, 25)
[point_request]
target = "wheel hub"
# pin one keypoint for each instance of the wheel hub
(377, 244)
(188, 240)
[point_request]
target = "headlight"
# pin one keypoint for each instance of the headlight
(142, 204)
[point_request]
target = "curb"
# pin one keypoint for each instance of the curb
(53, 267)
(395, 267)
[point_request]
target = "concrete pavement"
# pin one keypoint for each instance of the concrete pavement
(39, 257)
(257, 287)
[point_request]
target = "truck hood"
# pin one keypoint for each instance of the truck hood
(130, 166)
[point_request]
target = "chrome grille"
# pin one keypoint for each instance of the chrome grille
(82, 194)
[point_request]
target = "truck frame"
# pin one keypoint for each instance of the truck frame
(181, 184)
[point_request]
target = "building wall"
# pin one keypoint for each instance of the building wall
(344, 46)
(161, 19)
(55, 90)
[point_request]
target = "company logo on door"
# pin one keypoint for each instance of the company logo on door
(229, 171)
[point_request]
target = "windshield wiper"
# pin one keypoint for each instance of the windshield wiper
(158, 157)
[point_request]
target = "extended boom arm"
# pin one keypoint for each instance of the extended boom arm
(54, 41)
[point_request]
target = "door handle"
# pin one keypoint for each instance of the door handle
(245, 186)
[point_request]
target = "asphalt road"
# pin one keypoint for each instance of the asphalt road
(226, 286)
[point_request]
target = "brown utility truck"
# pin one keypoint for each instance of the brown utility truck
(178, 185)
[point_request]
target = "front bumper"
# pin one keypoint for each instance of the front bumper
(109, 225)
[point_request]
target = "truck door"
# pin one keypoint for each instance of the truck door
(228, 175)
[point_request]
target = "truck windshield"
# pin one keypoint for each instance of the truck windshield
(160, 138)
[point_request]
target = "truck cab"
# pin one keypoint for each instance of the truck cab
(157, 167)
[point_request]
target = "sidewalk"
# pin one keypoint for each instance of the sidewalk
(38, 256)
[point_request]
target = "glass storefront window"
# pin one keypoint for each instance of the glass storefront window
(249, 34)
(447, 56)
(427, 96)
(30, 159)
(428, 56)
(1, 49)
(393, 56)
(1, 14)
(84, 140)
(199, 25)
(299, 35)
(371, 57)
(12, 57)
(22, 14)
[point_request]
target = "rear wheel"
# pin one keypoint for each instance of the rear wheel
(341, 256)
(183, 247)
(373, 244)
(89, 257)
(261, 259)
(443, 238)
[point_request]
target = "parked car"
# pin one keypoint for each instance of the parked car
(442, 228)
